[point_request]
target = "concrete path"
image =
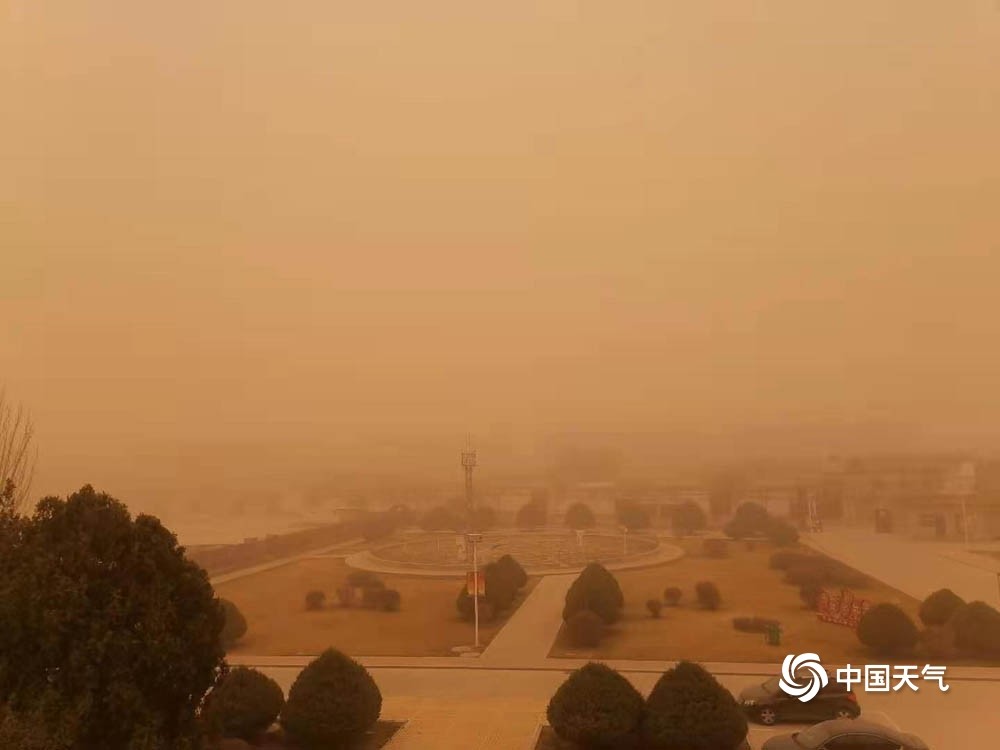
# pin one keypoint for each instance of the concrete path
(914, 567)
(271, 564)
(529, 634)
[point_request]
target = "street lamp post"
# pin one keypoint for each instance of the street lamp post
(474, 539)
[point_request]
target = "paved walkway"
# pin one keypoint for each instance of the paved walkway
(271, 564)
(914, 567)
(529, 634)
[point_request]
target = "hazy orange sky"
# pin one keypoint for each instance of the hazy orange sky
(290, 220)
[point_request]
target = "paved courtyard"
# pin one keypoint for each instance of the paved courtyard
(914, 567)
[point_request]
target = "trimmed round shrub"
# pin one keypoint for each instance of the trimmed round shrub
(655, 606)
(363, 579)
(595, 589)
(780, 532)
(887, 630)
(389, 600)
(585, 629)
(235, 624)
(580, 516)
(810, 593)
(531, 515)
(501, 588)
(243, 704)
(596, 708)
(937, 642)
(977, 629)
(332, 703)
(633, 516)
(807, 573)
(315, 600)
(513, 570)
(750, 519)
(708, 595)
(716, 548)
(672, 596)
(687, 518)
(939, 606)
(689, 710)
(371, 595)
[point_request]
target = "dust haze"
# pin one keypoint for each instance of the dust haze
(254, 247)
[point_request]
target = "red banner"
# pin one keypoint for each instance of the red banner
(841, 607)
(470, 583)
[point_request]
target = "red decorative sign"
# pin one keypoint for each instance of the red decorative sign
(841, 607)
(471, 583)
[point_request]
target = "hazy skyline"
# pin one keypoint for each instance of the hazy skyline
(343, 222)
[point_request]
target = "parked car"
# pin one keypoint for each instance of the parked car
(846, 734)
(768, 704)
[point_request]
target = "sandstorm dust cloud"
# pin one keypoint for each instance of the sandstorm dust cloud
(243, 242)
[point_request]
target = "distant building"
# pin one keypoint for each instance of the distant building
(937, 496)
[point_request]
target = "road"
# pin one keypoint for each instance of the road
(487, 709)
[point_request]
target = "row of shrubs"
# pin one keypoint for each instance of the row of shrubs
(374, 594)
(596, 707)
(332, 703)
(952, 628)
(503, 579)
(706, 594)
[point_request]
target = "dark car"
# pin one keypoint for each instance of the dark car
(846, 734)
(768, 703)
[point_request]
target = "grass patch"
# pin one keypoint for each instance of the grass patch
(273, 603)
(749, 587)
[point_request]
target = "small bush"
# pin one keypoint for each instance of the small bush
(513, 571)
(809, 593)
(687, 518)
(977, 629)
(585, 629)
(596, 708)
(754, 624)
(689, 710)
(243, 704)
(708, 595)
(597, 590)
(532, 515)
(655, 606)
(938, 607)
(363, 579)
(332, 703)
(785, 559)
(390, 600)
(887, 630)
(235, 626)
(315, 600)
(672, 596)
(780, 532)
(715, 548)
(371, 596)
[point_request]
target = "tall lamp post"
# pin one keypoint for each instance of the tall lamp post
(474, 539)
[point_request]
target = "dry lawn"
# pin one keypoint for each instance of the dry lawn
(748, 587)
(279, 625)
